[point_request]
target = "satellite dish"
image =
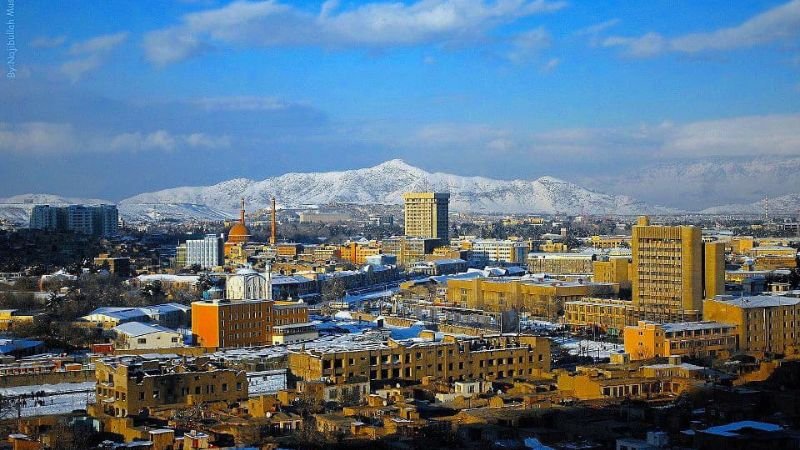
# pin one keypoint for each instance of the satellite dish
(268, 415)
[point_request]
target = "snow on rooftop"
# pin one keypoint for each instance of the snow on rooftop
(136, 329)
(692, 326)
(758, 301)
(733, 429)
(587, 347)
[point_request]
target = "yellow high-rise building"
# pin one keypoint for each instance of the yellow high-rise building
(714, 269)
(671, 274)
(426, 215)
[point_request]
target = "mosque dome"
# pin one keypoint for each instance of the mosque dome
(239, 234)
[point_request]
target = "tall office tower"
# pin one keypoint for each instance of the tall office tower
(98, 220)
(714, 269)
(667, 279)
(105, 220)
(426, 215)
(207, 252)
(80, 219)
(44, 217)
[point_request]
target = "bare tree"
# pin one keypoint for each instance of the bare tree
(333, 290)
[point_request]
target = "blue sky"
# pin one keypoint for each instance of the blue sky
(115, 98)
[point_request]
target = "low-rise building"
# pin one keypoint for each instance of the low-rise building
(531, 297)
(561, 263)
(358, 252)
(612, 270)
(119, 266)
(290, 323)
(609, 241)
(376, 357)
(409, 250)
(129, 385)
(10, 318)
(695, 339)
(232, 323)
(500, 250)
(170, 315)
(608, 315)
(144, 336)
(323, 391)
(440, 267)
(764, 323)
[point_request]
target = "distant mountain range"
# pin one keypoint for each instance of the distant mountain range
(381, 184)
(789, 203)
(706, 183)
(17, 209)
(386, 182)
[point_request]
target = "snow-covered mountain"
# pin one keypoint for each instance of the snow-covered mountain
(17, 209)
(179, 212)
(49, 199)
(701, 184)
(785, 204)
(385, 184)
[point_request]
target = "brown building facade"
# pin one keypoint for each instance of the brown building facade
(132, 384)
(451, 358)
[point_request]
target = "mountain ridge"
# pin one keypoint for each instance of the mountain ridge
(383, 183)
(386, 182)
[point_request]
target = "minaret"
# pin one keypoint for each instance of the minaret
(268, 283)
(273, 237)
(241, 213)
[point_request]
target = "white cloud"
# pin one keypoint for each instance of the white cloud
(243, 103)
(165, 141)
(742, 136)
(528, 44)
(750, 136)
(371, 25)
(35, 137)
(648, 45)
(551, 65)
(51, 138)
(90, 54)
(75, 69)
(98, 44)
(597, 28)
(776, 24)
(48, 42)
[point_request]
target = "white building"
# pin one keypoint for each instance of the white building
(142, 336)
(500, 250)
(98, 220)
(247, 284)
(293, 333)
(207, 252)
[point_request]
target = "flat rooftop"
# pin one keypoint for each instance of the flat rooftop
(758, 301)
(693, 326)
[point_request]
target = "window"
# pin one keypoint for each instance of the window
(141, 341)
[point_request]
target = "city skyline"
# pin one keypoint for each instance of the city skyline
(200, 92)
